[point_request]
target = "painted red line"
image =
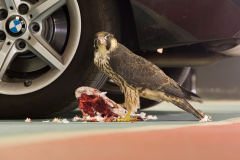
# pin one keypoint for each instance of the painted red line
(190, 143)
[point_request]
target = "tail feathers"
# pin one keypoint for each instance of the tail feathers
(201, 112)
(191, 96)
(184, 105)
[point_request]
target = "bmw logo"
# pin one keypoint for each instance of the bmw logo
(16, 26)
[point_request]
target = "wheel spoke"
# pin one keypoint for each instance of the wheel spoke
(7, 54)
(44, 51)
(45, 9)
(9, 4)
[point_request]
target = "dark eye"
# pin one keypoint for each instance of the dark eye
(106, 37)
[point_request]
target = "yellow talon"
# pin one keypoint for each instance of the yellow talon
(127, 118)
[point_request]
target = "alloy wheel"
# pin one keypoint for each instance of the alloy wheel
(38, 40)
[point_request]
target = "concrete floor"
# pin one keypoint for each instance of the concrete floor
(168, 115)
(175, 130)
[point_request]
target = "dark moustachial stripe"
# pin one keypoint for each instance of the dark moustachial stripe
(108, 44)
(108, 41)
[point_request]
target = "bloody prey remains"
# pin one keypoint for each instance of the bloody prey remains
(97, 107)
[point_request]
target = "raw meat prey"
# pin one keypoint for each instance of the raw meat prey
(97, 107)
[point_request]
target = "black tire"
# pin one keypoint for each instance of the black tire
(113, 92)
(59, 97)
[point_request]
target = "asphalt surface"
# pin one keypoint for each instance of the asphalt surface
(168, 115)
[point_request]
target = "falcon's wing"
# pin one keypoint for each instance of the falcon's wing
(139, 72)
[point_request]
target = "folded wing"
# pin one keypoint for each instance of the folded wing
(140, 72)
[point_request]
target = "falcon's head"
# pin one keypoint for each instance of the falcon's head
(105, 42)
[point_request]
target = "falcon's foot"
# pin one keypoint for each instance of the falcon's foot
(127, 118)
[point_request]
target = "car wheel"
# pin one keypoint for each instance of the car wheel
(47, 53)
(114, 93)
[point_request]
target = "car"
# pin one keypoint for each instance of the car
(46, 46)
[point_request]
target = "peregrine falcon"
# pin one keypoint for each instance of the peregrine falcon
(137, 77)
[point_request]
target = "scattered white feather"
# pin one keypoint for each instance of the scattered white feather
(65, 121)
(142, 115)
(98, 118)
(56, 120)
(75, 119)
(28, 120)
(205, 119)
(46, 121)
(151, 117)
